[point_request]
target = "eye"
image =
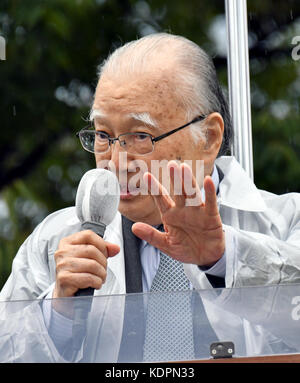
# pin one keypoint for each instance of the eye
(141, 136)
(102, 135)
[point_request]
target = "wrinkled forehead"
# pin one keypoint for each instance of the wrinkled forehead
(150, 96)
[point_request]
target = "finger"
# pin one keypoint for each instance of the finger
(82, 265)
(191, 188)
(91, 251)
(176, 183)
(72, 257)
(88, 237)
(150, 235)
(211, 206)
(112, 249)
(160, 194)
(82, 280)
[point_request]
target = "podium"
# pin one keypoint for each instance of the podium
(260, 324)
(293, 358)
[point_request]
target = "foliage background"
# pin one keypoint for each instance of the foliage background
(47, 83)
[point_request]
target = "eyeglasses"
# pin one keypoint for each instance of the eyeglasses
(133, 143)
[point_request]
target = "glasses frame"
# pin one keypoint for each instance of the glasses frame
(112, 140)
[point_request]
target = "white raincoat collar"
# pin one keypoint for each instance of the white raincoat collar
(237, 190)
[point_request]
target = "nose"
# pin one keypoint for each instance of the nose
(118, 158)
(111, 159)
(114, 152)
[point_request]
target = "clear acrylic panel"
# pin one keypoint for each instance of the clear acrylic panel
(259, 321)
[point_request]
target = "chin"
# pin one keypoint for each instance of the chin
(140, 209)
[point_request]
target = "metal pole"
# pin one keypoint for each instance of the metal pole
(239, 82)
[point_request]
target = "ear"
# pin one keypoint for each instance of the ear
(214, 124)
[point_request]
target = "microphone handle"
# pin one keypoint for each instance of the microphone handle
(98, 228)
(82, 307)
(84, 292)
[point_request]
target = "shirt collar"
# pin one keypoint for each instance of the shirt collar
(237, 190)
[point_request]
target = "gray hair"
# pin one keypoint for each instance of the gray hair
(197, 85)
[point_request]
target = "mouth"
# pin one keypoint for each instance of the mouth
(125, 194)
(130, 190)
(128, 193)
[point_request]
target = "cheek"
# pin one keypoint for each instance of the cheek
(176, 149)
(188, 149)
(102, 162)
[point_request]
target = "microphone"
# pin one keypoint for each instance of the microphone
(97, 202)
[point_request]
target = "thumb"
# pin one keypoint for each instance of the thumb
(112, 249)
(150, 235)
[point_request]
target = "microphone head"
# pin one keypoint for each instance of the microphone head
(98, 197)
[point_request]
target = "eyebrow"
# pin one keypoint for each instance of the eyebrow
(145, 118)
(95, 113)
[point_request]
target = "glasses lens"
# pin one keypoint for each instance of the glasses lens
(136, 143)
(94, 142)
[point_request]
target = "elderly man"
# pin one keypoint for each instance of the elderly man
(160, 99)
